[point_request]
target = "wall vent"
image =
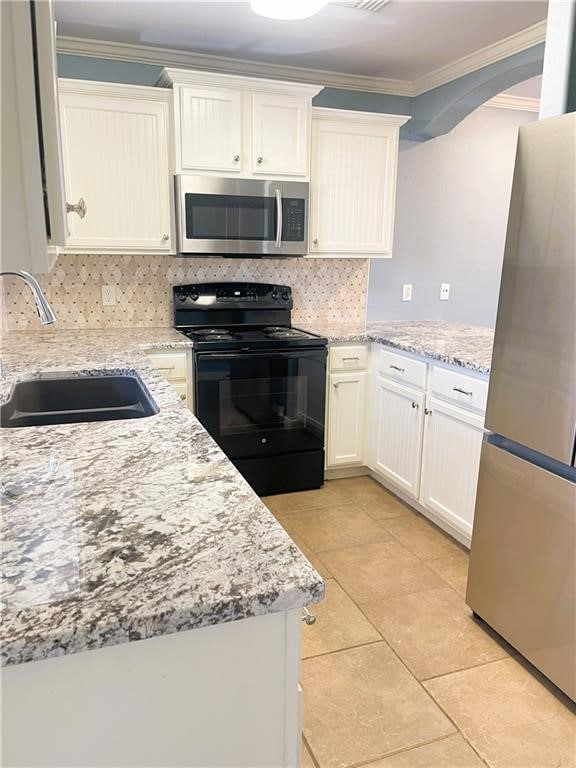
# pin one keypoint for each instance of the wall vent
(371, 5)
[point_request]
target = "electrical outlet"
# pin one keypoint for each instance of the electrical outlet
(407, 292)
(108, 295)
(444, 291)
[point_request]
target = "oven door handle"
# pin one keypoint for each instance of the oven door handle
(278, 242)
(245, 354)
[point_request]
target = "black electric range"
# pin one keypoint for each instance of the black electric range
(259, 383)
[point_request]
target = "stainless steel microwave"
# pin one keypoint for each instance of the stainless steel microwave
(241, 217)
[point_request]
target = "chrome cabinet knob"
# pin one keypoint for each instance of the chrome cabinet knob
(315, 242)
(182, 396)
(307, 617)
(165, 238)
(80, 208)
(415, 405)
(236, 158)
(259, 160)
(427, 411)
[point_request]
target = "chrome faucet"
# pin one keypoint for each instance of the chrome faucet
(45, 311)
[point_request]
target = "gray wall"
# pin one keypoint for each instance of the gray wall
(451, 213)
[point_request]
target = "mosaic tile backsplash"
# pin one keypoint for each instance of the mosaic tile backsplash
(325, 290)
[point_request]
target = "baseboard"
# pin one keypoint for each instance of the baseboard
(341, 473)
(461, 536)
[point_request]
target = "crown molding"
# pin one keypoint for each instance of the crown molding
(509, 101)
(170, 76)
(169, 57)
(502, 49)
(329, 113)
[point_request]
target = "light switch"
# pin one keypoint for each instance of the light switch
(444, 291)
(108, 295)
(407, 292)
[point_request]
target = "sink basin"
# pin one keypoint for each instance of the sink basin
(75, 399)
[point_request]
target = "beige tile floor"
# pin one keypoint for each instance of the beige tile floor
(396, 672)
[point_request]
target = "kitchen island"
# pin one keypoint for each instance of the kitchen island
(141, 570)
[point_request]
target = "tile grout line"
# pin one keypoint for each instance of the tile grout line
(368, 763)
(347, 648)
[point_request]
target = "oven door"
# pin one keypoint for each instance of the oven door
(242, 216)
(257, 404)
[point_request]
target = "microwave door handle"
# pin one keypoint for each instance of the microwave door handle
(278, 218)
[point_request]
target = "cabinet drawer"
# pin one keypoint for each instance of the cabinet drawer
(459, 388)
(172, 365)
(402, 368)
(348, 358)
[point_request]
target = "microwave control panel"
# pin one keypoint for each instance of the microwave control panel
(293, 219)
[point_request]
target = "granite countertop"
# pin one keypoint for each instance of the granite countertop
(123, 530)
(466, 346)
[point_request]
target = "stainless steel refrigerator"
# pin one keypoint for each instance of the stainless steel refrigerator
(522, 577)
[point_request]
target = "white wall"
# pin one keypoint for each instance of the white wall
(451, 214)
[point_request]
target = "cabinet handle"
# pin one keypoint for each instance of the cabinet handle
(236, 158)
(397, 368)
(336, 384)
(308, 617)
(80, 208)
(350, 358)
(259, 160)
(182, 396)
(415, 405)
(462, 391)
(427, 411)
(165, 238)
(315, 242)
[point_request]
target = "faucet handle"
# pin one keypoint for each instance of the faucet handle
(80, 207)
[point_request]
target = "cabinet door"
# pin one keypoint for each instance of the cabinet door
(280, 134)
(397, 424)
(346, 418)
(353, 182)
(211, 129)
(452, 444)
(116, 157)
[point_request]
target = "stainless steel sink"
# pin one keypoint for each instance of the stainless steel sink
(75, 399)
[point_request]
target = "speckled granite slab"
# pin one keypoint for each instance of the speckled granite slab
(124, 530)
(466, 346)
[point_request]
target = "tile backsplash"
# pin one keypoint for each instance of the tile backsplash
(325, 290)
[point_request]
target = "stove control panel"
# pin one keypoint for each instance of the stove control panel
(232, 295)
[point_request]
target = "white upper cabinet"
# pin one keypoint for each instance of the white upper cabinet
(33, 205)
(211, 129)
(231, 125)
(115, 142)
(280, 134)
(353, 182)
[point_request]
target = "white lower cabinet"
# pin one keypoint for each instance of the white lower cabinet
(396, 422)
(346, 418)
(450, 463)
(176, 367)
(416, 425)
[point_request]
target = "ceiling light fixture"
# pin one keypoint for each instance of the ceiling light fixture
(287, 10)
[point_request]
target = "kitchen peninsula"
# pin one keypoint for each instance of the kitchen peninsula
(141, 569)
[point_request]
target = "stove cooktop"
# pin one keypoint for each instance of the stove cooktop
(265, 337)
